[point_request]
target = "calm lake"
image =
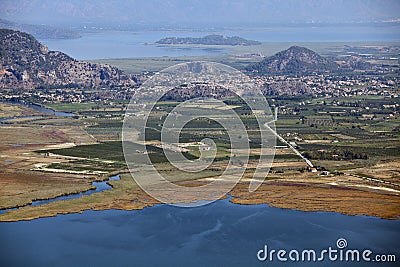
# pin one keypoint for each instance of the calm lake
(125, 44)
(219, 234)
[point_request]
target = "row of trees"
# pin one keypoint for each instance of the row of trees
(335, 155)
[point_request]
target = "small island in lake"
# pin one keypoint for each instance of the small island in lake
(213, 39)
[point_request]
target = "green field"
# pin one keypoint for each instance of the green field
(70, 107)
(319, 130)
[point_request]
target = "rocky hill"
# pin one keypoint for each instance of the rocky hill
(295, 60)
(193, 90)
(292, 88)
(213, 39)
(26, 63)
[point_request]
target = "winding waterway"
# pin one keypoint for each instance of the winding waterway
(38, 108)
(47, 110)
(99, 187)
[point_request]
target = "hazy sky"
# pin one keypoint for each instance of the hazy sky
(198, 12)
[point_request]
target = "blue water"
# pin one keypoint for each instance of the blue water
(323, 34)
(40, 109)
(99, 187)
(219, 234)
(47, 110)
(124, 44)
(37, 108)
(116, 44)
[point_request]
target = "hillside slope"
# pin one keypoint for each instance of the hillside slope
(40, 31)
(26, 63)
(294, 60)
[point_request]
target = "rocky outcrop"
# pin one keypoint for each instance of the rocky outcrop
(291, 88)
(26, 63)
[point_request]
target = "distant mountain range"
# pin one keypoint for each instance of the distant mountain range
(26, 63)
(199, 13)
(213, 39)
(40, 31)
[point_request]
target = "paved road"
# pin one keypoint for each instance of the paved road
(309, 163)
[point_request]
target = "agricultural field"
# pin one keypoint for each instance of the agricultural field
(353, 143)
(71, 107)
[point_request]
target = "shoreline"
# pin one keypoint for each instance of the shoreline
(276, 195)
(106, 181)
(228, 199)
